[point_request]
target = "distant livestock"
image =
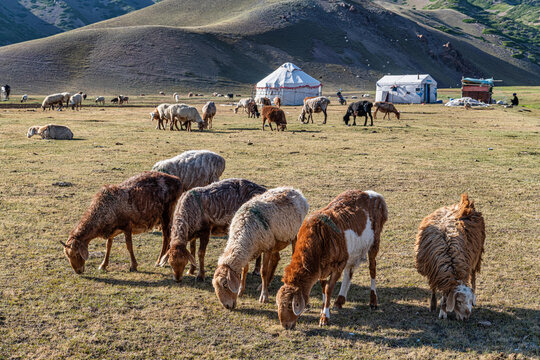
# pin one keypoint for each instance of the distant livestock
(243, 103)
(51, 132)
(274, 115)
(359, 108)
(265, 224)
(24, 98)
(314, 105)
(76, 102)
(332, 241)
(184, 114)
(386, 108)
(100, 100)
(209, 111)
(194, 167)
(253, 110)
(134, 206)
(160, 114)
(277, 101)
(51, 100)
(201, 212)
(449, 247)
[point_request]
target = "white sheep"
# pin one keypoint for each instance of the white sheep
(243, 103)
(314, 105)
(100, 100)
(76, 102)
(160, 115)
(51, 100)
(24, 98)
(265, 224)
(51, 132)
(209, 111)
(184, 114)
(195, 167)
(67, 96)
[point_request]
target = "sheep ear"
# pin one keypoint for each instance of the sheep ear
(83, 251)
(298, 304)
(233, 281)
(163, 260)
(450, 301)
(64, 244)
(191, 259)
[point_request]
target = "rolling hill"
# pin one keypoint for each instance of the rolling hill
(194, 44)
(22, 20)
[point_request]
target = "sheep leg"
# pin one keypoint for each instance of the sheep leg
(166, 229)
(257, 269)
(365, 121)
(176, 124)
(105, 263)
(433, 303)
(328, 290)
(205, 237)
(373, 272)
(192, 250)
(345, 285)
(243, 280)
(129, 245)
(264, 121)
(270, 124)
(324, 112)
(265, 272)
(323, 288)
(273, 265)
(354, 119)
(375, 113)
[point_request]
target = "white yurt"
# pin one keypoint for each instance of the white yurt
(290, 83)
(407, 89)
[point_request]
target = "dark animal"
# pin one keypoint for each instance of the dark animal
(359, 108)
(253, 110)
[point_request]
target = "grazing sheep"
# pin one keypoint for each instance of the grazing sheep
(76, 102)
(190, 94)
(161, 93)
(82, 94)
(174, 95)
(274, 115)
(277, 101)
(137, 205)
(100, 100)
(184, 114)
(67, 97)
(125, 99)
(51, 132)
(51, 100)
(449, 247)
(263, 100)
(386, 108)
(253, 110)
(115, 100)
(359, 108)
(314, 105)
(243, 103)
(265, 224)
(194, 167)
(177, 98)
(336, 238)
(209, 111)
(230, 96)
(202, 212)
(160, 114)
(24, 98)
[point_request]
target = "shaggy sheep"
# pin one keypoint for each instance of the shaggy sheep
(209, 111)
(202, 212)
(314, 105)
(266, 224)
(359, 108)
(177, 98)
(115, 100)
(24, 98)
(277, 101)
(137, 205)
(195, 167)
(184, 114)
(253, 110)
(100, 100)
(125, 99)
(160, 114)
(67, 97)
(76, 102)
(51, 100)
(386, 108)
(274, 115)
(336, 238)
(243, 103)
(51, 132)
(449, 247)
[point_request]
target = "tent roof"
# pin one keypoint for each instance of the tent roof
(288, 76)
(404, 79)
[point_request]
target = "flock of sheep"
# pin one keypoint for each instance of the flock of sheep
(184, 196)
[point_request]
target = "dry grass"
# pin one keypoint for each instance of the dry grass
(419, 163)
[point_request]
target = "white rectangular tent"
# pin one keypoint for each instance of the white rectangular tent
(407, 89)
(290, 83)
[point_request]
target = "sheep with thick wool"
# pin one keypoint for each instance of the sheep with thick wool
(449, 247)
(209, 111)
(160, 115)
(314, 105)
(184, 114)
(266, 224)
(51, 100)
(51, 132)
(194, 167)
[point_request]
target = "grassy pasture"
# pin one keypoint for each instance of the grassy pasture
(419, 163)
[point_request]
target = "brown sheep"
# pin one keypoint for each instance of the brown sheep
(336, 238)
(274, 115)
(386, 108)
(277, 101)
(449, 247)
(202, 212)
(134, 206)
(253, 110)
(209, 111)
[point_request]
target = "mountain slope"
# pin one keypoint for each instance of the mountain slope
(22, 20)
(185, 44)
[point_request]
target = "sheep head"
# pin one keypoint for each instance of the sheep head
(226, 285)
(291, 304)
(179, 256)
(77, 254)
(461, 300)
(32, 131)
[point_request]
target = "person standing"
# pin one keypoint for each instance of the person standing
(515, 100)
